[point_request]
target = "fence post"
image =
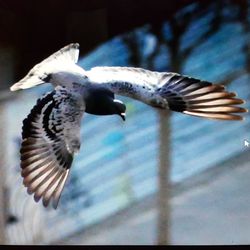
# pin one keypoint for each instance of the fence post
(163, 206)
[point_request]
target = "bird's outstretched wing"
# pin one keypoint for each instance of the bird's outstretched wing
(40, 73)
(51, 136)
(170, 90)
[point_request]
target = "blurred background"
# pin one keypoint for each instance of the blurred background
(153, 179)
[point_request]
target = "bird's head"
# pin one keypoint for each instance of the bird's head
(120, 109)
(101, 101)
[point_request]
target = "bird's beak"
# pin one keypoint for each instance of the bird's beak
(123, 116)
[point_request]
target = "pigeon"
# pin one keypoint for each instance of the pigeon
(51, 131)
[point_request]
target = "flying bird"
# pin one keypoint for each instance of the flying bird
(51, 131)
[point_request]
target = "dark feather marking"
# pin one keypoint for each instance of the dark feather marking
(187, 82)
(175, 79)
(46, 119)
(37, 109)
(32, 156)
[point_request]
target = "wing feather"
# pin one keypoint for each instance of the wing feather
(48, 148)
(170, 90)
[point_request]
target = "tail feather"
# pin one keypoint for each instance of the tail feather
(27, 82)
(41, 73)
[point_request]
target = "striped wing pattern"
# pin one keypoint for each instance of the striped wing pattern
(199, 98)
(46, 153)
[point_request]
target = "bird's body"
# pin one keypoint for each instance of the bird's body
(51, 132)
